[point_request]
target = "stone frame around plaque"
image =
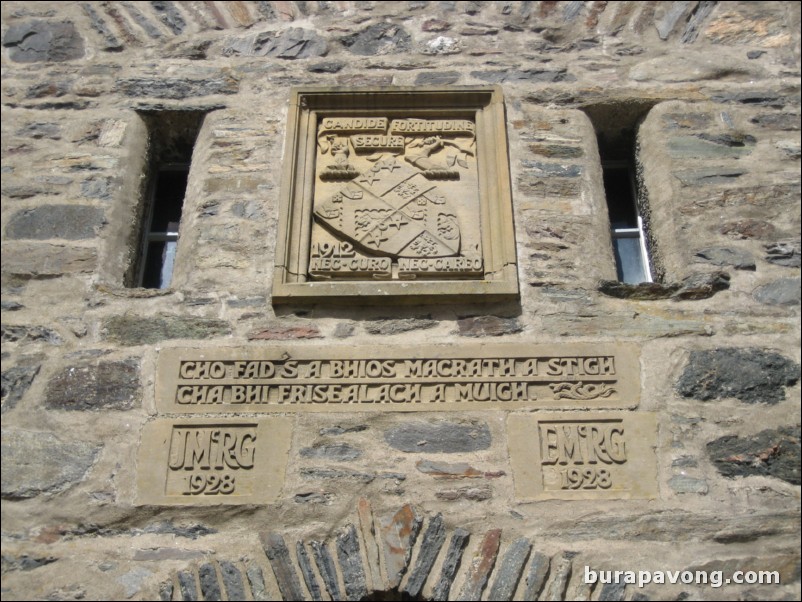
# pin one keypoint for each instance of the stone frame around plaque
(397, 195)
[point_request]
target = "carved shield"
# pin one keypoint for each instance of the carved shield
(393, 210)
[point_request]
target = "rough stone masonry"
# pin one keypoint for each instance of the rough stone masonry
(704, 96)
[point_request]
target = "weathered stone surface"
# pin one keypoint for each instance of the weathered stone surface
(777, 121)
(103, 385)
(328, 571)
(256, 580)
(536, 576)
(177, 88)
(559, 170)
(748, 228)
(702, 286)
(210, 586)
(488, 326)
(475, 494)
(784, 291)
(750, 375)
(313, 497)
(43, 41)
(556, 151)
(111, 42)
(70, 222)
(15, 382)
(38, 130)
(686, 484)
(497, 76)
(773, 452)
(326, 67)
(481, 566)
(397, 535)
(439, 437)
(146, 330)
(278, 332)
(351, 564)
(613, 591)
(292, 43)
(433, 539)
(694, 286)
(727, 256)
(692, 147)
(562, 575)
(388, 327)
(689, 68)
(340, 452)
(283, 567)
(381, 38)
(25, 562)
(306, 571)
(441, 45)
(508, 574)
(29, 334)
(169, 15)
(445, 470)
(436, 78)
(367, 529)
(186, 584)
(331, 473)
(784, 253)
(451, 563)
(704, 176)
(38, 462)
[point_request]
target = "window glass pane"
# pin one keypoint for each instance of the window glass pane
(154, 256)
(629, 260)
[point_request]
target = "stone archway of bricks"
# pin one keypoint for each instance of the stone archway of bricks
(391, 557)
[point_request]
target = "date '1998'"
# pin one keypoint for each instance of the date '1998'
(210, 484)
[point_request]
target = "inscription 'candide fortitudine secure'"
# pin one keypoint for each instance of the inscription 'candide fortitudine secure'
(406, 379)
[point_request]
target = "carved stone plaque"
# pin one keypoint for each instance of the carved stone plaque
(396, 194)
(572, 456)
(213, 461)
(380, 378)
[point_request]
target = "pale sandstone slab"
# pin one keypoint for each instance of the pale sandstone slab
(399, 194)
(573, 456)
(213, 461)
(341, 378)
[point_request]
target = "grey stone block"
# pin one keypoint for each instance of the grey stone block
(70, 222)
(785, 291)
(43, 41)
(773, 452)
(750, 375)
(102, 385)
(37, 462)
(439, 437)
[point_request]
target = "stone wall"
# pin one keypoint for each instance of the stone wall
(385, 502)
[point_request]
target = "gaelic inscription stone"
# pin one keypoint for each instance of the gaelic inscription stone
(400, 193)
(380, 378)
(586, 455)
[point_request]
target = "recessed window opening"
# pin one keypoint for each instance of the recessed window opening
(171, 141)
(626, 225)
(616, 127)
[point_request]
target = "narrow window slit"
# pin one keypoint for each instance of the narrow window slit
(626, 225)
(171, 142)
(616, 128)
